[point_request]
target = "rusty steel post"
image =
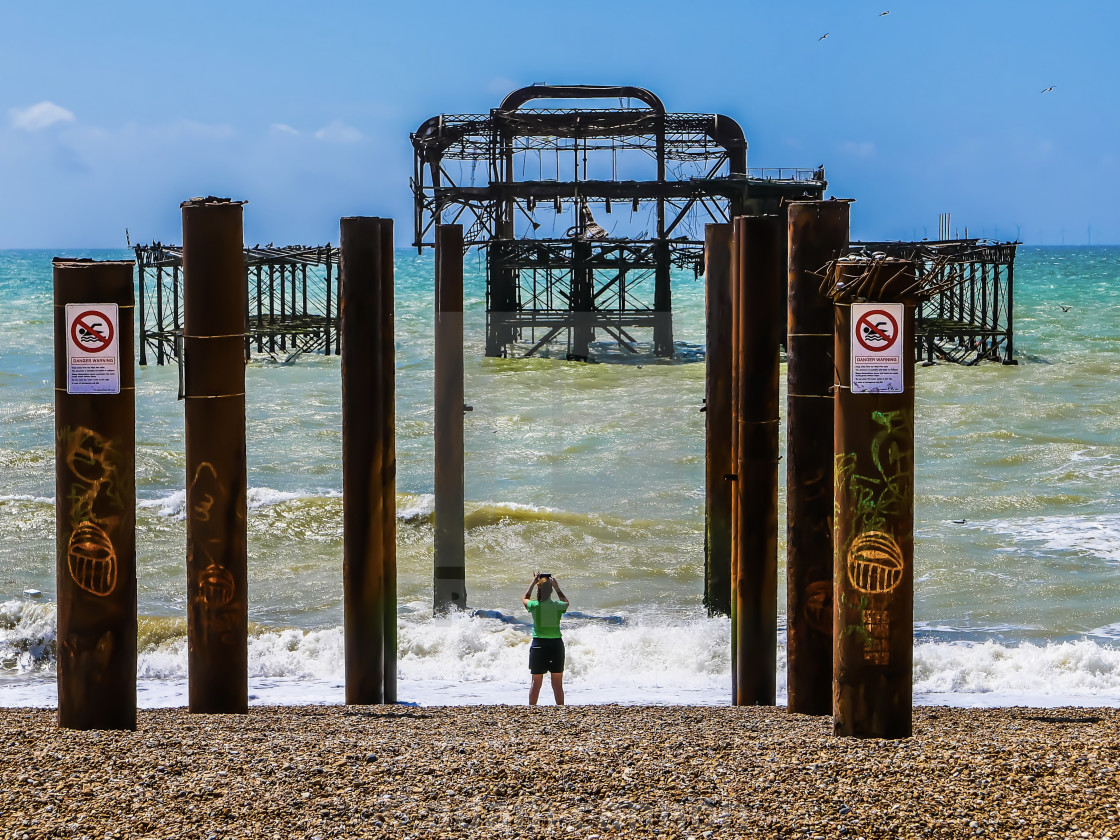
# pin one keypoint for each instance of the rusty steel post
(450, 589)
(754, 618)
(215, 315)
(389, 462)
(873, 537)
(95, 481)
(818, 234)
(717, 419)
(368, 459)
(732, 477)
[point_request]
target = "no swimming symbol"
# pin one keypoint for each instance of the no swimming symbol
(92, 331)
(877, 330)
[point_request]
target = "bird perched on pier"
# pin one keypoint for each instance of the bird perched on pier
(1047, 90)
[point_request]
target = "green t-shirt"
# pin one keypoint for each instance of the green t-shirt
(546, 618)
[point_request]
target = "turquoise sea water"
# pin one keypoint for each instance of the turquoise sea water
(596, 472)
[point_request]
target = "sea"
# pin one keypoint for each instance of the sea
(595, 473)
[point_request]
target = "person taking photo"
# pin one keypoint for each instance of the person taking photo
(546, 653)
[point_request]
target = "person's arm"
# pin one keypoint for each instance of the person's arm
(529, 592)
(560, 596)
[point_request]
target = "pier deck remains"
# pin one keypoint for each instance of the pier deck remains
(294, 302)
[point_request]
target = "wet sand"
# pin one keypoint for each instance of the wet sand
(582, 771)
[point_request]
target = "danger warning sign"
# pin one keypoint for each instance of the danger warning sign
(92, 360)
(877, 348)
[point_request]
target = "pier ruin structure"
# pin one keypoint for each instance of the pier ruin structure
(971, 318)
(294, 305)
(583, 212)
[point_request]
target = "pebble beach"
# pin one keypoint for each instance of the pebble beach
(585, 771)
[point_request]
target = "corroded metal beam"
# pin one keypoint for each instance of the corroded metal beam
(95, 444)
(215, 306)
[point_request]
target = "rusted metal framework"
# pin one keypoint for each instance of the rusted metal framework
(293, 301)
(969, 319)
(529, 184)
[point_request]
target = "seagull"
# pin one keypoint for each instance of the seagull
(1048, 89)
(1065, 308)
(825, 35)
(884, 14)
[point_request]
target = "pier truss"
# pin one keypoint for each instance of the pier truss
(583, 213)
(970, 319)
(292, 292)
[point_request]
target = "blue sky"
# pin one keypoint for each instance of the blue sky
(113, 113)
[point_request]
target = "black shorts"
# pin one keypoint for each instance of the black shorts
(546, 655)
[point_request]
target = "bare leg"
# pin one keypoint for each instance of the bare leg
(535, 688)
(558, 688)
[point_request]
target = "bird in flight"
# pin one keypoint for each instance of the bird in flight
(825, 35)
(884, 14)
(1065, 308)
(1048, 89)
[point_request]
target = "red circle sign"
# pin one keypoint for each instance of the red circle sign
(877, 330)
(91, 332)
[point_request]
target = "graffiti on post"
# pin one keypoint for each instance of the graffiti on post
(95, 508)
(214, 586)
(873, 559)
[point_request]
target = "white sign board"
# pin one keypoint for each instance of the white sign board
(877, 348)
(92, 361)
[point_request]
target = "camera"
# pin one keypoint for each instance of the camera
(546, 577)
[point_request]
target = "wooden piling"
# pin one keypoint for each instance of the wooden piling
(754, 551)
(818, 234)
(717, 419)
(873, 534)
(216, 307)
(368, 459)
(449, 588)
(95, 520)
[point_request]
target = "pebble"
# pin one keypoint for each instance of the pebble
(574, 772)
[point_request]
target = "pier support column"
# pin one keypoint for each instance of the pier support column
(582, 304)
(873, 536)
(717, 419)
(662, 301)
(215, 316)
(368, 460)
(818, 234)
(760, 243)
(450, 589)
(95, 481)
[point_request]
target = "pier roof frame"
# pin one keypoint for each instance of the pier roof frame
(712, 144)
(699, 176)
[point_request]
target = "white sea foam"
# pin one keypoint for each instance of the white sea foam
(173, 504)
(1089, 536)
(1081, 672)
(417, 507)
(476, 659)
(27, 634)
(41, 500)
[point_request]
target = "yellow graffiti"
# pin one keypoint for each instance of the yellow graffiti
(92, 560)
(875, 563)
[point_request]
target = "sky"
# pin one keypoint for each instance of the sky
(111, 114)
